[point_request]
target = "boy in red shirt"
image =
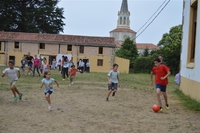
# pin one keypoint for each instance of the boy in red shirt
(161, 73)
(72, 72)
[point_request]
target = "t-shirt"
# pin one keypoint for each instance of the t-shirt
(36, 62)
(160, 71)
(41, 60)
(164, 63)
(88, 64)
(177, 78)
(65, 64)
(54, 63)
(12, 74)
(23, 62)
(73, 72)
(113, 76)
(29, 59)
(48, 84)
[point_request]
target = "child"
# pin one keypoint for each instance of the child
(177, 78)
(161, 73)
(23, 63)
(113, 81)
(36, 65)
(45, 66)
(12, 79)
(72, 72)
(65, 68)
(53, 65)
(47, 81)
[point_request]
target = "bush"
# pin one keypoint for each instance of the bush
(143, 64)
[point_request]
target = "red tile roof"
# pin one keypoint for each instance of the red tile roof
(123, 30)
(146, 45)
(142, 46)
(58, 39)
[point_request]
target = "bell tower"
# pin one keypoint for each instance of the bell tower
(123, 16)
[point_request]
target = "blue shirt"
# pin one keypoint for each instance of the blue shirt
(48, 84)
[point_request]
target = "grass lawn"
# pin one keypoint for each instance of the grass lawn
(82, 107)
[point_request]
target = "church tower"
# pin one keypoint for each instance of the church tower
(123, 16)
(123, 25)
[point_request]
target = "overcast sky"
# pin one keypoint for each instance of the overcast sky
(99, 17)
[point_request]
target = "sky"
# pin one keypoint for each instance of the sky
(99, 17)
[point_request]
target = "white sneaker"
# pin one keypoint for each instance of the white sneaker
(49, 107)
(72, 83)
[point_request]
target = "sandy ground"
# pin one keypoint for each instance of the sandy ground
(83, 108)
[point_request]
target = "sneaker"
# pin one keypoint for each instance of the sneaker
(113, 94)
(20, 96)
(15, 99)
(160, 109)
(72, 83)
(167, 106)
(107, 99)
(49, 107)
(63, 79)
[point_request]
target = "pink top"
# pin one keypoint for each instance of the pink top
(36, 62)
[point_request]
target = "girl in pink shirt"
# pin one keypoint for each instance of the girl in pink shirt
(36, 62)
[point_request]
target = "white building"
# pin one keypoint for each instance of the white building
(190, 55)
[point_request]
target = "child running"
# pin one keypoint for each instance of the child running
(47, 81)
(113, 81)
(72, 72)
(23, 63)
(161, 73)
(13, 76)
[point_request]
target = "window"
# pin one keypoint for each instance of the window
(81, 49)
(100, 62)
(69, 47)
(192, 35)
(12, 58)
(120, 20)
(16, 45)
(100, 50)
(42, 46)
(124, 20)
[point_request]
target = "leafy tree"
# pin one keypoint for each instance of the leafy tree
(170, 48)
(128, 50)
(36, 16)
(146, 52)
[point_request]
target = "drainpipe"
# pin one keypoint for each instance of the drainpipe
(6, 52)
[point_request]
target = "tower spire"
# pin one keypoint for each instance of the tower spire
(124, 6)
(123, 16)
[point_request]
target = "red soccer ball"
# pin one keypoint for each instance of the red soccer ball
(156, 108)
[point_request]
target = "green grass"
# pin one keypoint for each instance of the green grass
(187, 101)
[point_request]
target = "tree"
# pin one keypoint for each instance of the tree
(128, 50)
(170, 48)
(35, 16)
(146, 52)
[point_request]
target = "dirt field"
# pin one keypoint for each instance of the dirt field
(83, 107)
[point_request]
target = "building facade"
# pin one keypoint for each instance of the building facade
(98, 50)
(190, 63)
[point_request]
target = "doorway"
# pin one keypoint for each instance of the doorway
(51, 59)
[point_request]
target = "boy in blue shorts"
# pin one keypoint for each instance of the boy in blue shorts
(113, 81)
(161, 73)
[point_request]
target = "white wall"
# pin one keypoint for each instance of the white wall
(193, 74)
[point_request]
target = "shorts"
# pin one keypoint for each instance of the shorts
(161, 87)
(30, 64)
(14, 83)
(71, 77)
(23, 66)
(49, 92)
(112, 86)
